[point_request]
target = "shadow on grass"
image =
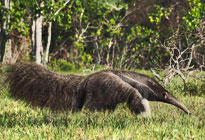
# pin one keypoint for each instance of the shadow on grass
(20, 118)
(83, 119)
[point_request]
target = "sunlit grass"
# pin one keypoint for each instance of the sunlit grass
(20, 121)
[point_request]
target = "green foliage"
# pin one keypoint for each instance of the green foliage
(61, 65)
(1, 10)
(146, 43)
(195, 14)
(18, 22)
(195, 87)
(86, 59)
(159, 13)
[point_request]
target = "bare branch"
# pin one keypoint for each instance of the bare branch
(61, 7)
(156, 75)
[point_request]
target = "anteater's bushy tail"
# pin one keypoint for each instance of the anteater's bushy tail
(41, 87)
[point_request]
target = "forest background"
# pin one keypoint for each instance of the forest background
(115, 33)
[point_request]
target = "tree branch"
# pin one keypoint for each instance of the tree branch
(61, 7)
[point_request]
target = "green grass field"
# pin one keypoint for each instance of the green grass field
(21, 121)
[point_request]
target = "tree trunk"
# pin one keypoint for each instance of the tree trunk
(2, 43)
(39, 22)
(6, 49)
(33, 38)
(97, 52)
(48, 42)
(7, 59)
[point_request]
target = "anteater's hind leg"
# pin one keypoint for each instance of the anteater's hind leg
(105, 90)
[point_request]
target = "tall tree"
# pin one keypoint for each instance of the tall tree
(6, 50)
(38, 31)
(50, 27)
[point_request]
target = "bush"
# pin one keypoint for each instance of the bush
(193, 86)
(62, 65)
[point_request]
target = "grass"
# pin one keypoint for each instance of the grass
(21, 121)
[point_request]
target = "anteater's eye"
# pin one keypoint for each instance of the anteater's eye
(165, 95)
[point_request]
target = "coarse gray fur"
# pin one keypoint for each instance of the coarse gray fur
(102, 90)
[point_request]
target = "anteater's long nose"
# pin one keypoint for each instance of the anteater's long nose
(175, 102)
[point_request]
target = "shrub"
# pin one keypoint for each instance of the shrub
(62, 65)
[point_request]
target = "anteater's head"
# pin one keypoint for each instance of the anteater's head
(157, 93)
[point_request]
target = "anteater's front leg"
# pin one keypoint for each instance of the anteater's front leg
(138, 105)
